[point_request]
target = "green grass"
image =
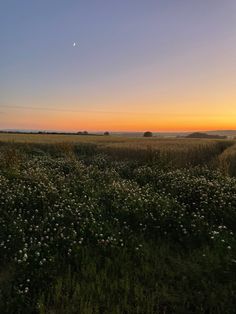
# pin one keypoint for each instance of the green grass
(91, 229)
(161, 278)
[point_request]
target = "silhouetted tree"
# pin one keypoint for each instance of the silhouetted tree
(147, 134)
(82, 133)
(106, 133)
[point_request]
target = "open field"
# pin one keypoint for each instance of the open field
(177, 152)
(111, 140)
(106, 227)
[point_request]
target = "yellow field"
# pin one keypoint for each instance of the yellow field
(227, 160)
(178, 144)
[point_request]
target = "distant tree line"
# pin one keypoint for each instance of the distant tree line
(53, 132)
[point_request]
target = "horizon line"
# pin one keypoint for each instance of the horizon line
(113, 131)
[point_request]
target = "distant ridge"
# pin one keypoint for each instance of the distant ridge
(223, 132)
(206, 135)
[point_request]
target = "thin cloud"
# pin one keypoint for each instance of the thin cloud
(73, 110)
(161, 114)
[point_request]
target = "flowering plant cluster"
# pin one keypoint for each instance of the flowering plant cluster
(52, 207)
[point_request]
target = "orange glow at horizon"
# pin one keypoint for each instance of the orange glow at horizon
(118, 121)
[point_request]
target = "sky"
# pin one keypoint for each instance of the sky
(163, 65)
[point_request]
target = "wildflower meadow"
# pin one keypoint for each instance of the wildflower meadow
(83, 231)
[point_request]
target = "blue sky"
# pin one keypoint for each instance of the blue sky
(160, 58)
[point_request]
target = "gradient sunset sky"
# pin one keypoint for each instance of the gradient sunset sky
(164, 65)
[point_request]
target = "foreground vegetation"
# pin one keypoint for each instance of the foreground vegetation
(99, 229)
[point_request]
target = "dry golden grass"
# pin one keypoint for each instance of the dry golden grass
(179, 152)
(109, 141)
(227, 160)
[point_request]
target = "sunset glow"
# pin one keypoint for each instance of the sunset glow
(137, 65)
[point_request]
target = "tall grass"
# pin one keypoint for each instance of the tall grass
(227, 160)
(172, 153)
(157, 280)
